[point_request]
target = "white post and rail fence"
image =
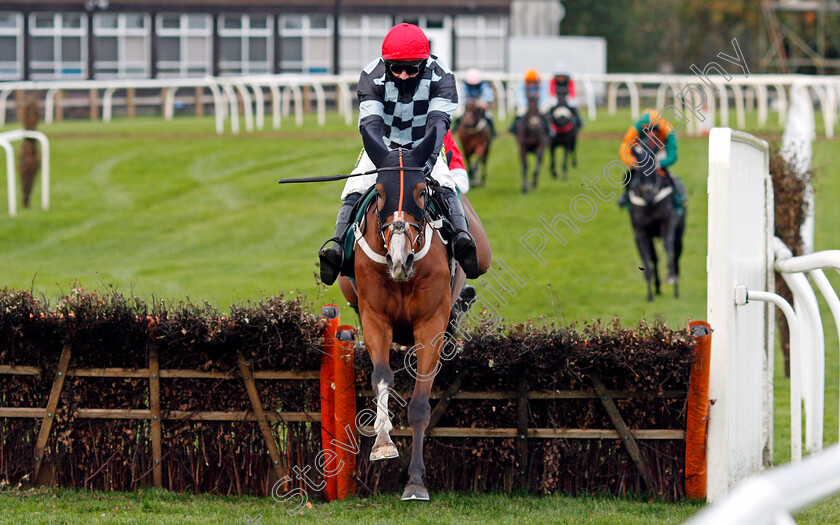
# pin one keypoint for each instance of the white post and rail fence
(742, 257)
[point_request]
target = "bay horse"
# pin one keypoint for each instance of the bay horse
(475, 137)
(565, 129)
(652, 215)
(532, 138)
(404, 291)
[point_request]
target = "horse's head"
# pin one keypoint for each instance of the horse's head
(562, 116)
(473, 113)
(401, 197)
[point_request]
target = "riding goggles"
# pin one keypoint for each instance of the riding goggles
(411, 68)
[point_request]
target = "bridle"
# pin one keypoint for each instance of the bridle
(659, 196)
(399, 225)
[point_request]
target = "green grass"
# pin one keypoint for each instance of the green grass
(173, 211)
(159, 507)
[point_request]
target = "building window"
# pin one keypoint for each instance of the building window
(361, 40)
(121, 45)
(438, 30)
(11, 46)
(58, 45)
(245, 44)
(306, 43)
(184, 45)
(480, 42)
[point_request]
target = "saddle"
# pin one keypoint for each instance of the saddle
(434, 217)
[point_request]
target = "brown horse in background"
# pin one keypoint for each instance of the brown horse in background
(475, 137)
(403, 293)
(532, 137)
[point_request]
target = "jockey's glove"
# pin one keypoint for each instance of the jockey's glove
(429, 166)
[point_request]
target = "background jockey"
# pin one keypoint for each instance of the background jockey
(404, 96)
(478, 89)
(561, 90)
(532, 86)
(650, 133)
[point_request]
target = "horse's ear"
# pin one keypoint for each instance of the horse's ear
(374, 147)
(423, 151)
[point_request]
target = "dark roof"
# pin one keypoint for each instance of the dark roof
(347, 6)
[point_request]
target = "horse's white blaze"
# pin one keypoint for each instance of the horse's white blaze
(383, 422)
(397, 252)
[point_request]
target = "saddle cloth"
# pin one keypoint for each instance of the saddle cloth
(360, 210)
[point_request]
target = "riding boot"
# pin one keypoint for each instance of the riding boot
(463, 244)
(492, 127)
(332, 252)
(513, 125)
(578, 120)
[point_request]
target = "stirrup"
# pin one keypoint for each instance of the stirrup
(465, 299)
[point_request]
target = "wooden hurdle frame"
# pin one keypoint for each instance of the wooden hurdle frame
(338, 409)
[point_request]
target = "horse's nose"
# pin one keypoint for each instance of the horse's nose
(409, 263)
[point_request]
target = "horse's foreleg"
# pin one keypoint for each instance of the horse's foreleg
(643, 244)
(537, 166)
(378, 336)
(669, 238)
(655, 266)
(419, 411)
(523, 154)
(565, 163)
(553, 169)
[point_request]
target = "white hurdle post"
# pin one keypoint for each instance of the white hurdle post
(6, 140)
(740, 252)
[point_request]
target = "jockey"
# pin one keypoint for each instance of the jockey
(561, 90)
(657, 131)
(404, 96)
(532, 86)
(476, 88)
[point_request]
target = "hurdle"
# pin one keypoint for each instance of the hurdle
(6, 139)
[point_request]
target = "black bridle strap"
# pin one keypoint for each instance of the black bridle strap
(327, 178)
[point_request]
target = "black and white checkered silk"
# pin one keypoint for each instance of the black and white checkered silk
(405, 114)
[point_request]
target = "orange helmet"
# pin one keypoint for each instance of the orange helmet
(532, 76)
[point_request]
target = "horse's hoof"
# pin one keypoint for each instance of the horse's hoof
(384, 451)
(415, 493)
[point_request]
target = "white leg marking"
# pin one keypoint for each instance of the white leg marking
(383, 422)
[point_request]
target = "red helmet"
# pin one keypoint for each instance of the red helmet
(405, 42)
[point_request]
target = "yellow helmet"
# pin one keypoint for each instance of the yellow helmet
(532, 76)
